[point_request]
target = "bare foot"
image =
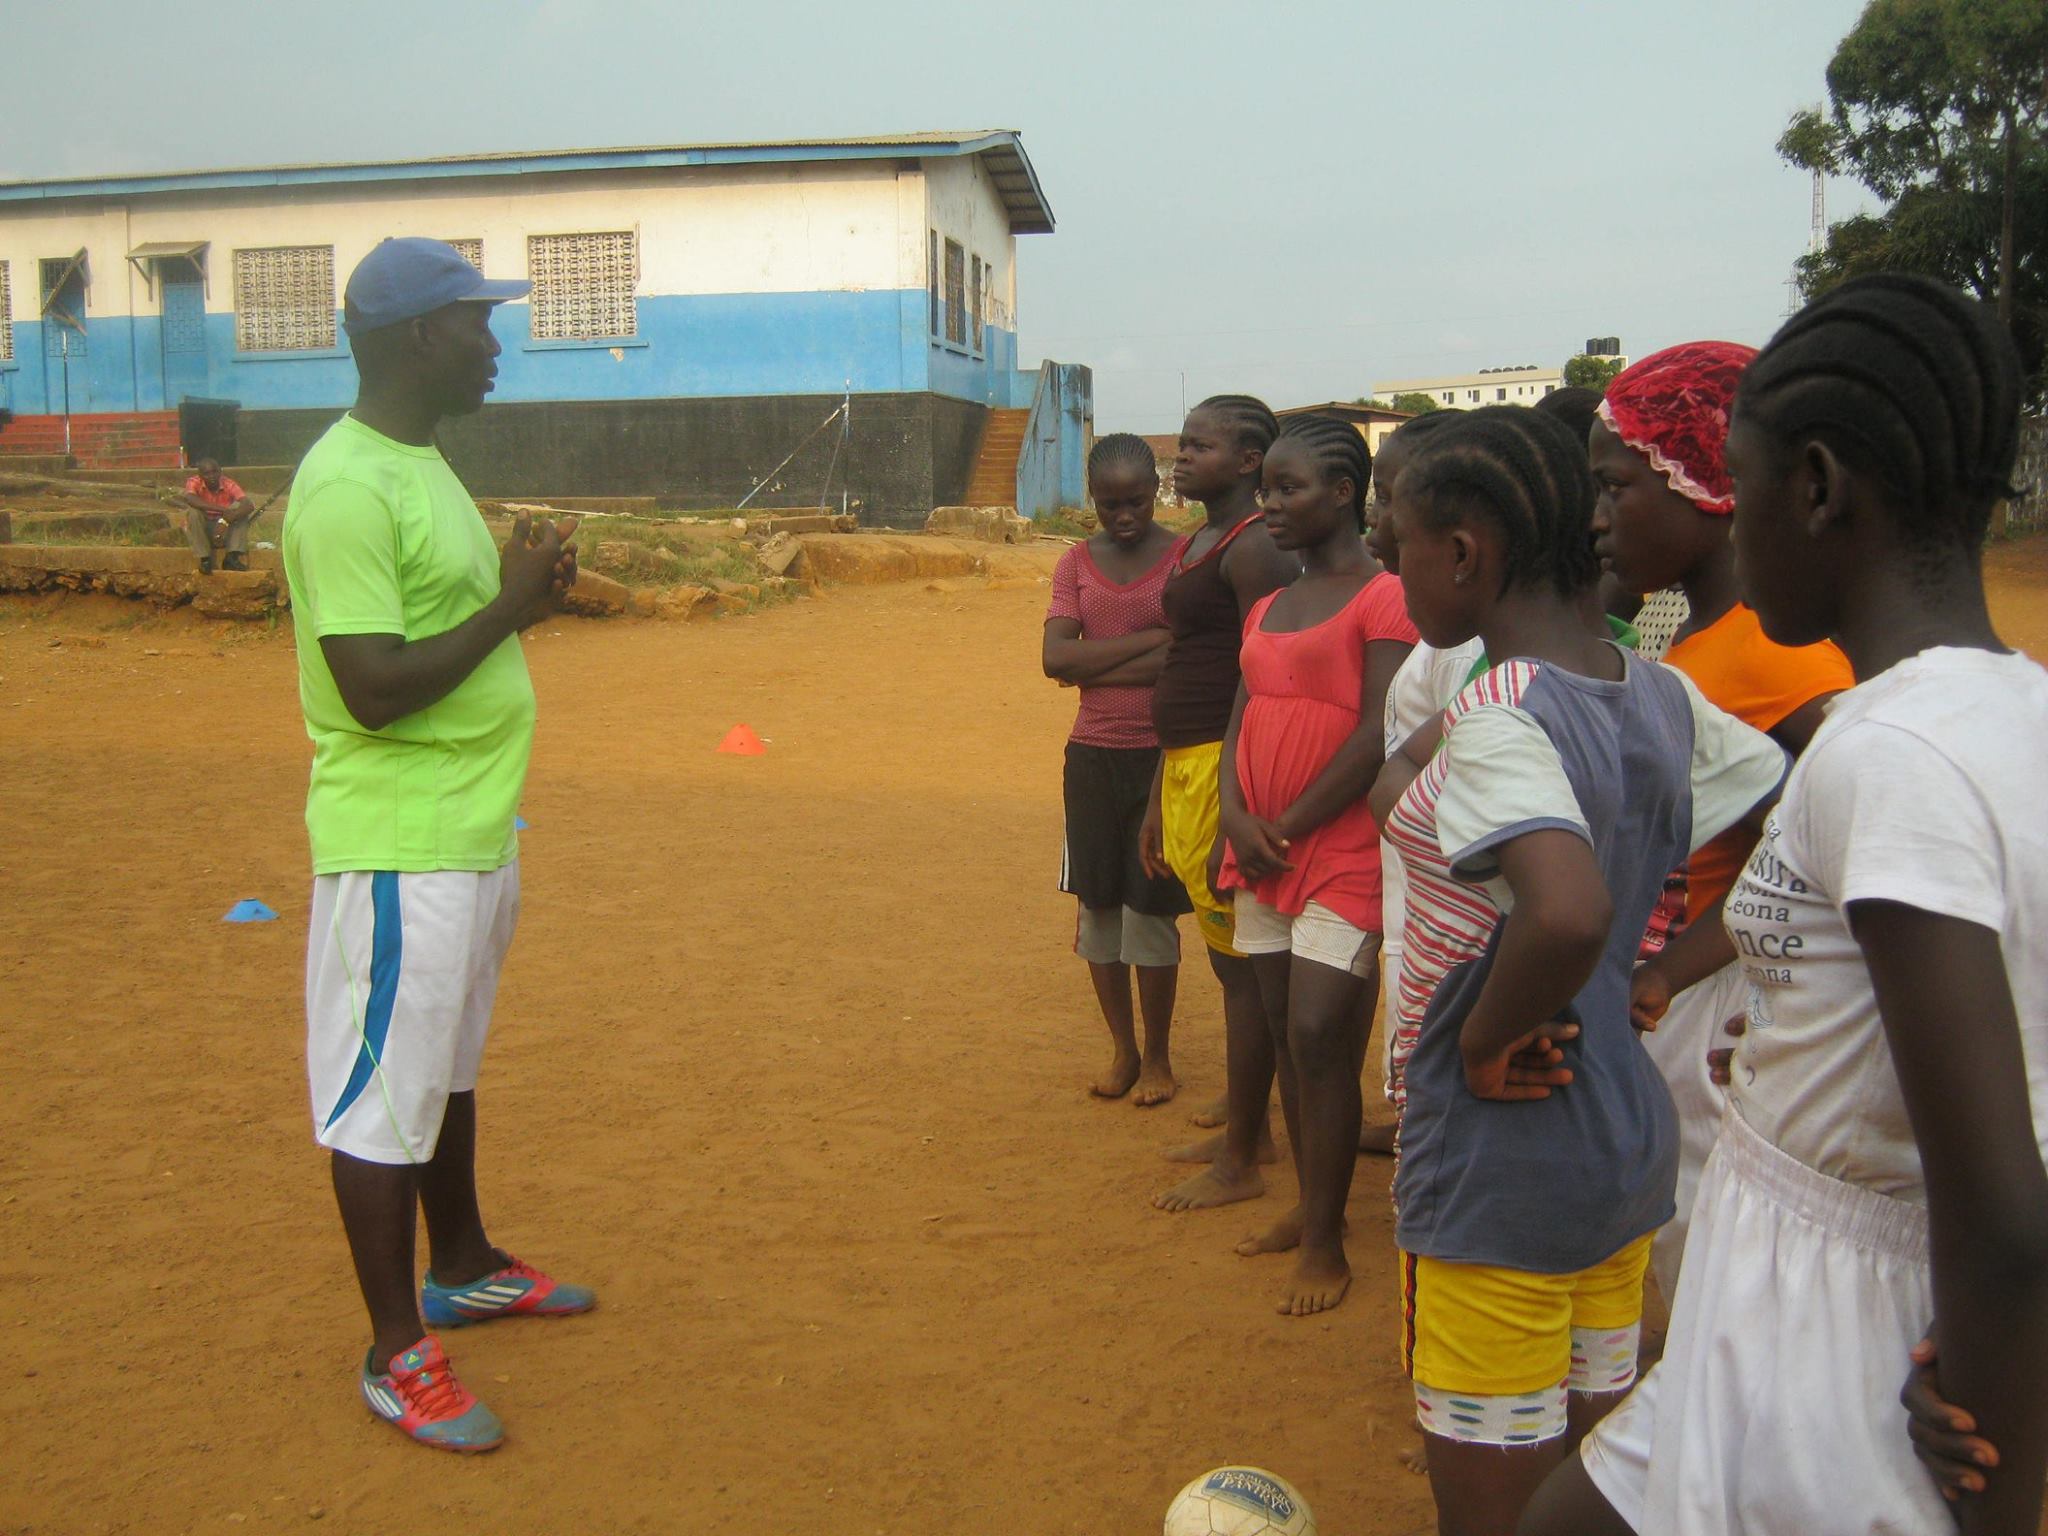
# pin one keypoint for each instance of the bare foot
(1377, 1139)
(1283, 1235)
(1214, 1185)
(1212, 1114)
(1209, 1148)
(1155, 1085)
(1415, 1459)
(1116, 1082)
(1321, 1277)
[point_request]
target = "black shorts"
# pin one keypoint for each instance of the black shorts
(1106, 791)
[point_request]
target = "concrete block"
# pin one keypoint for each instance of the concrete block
(991, 525)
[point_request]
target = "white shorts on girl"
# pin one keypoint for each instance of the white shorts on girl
(1690, 1028)
(1318, 934)
(1776, 1405)
(401, 973)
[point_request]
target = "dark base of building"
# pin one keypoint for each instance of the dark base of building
(902, 454)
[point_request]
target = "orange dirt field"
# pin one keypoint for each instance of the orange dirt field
(790, 1064)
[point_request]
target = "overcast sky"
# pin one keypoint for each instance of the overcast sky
(1295, 199)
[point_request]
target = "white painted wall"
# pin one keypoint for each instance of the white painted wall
(961, 204)
(818, 226)
(1524, 386)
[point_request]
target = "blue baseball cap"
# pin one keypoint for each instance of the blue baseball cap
(404, 279)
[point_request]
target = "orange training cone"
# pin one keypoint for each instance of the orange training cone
(742, 742)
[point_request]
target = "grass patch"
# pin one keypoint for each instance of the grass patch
(103, 531)
(1079, 522)
(1067, 523)
(662, 552)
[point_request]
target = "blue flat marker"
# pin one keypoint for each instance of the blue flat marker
(519, 823)
(249, 911)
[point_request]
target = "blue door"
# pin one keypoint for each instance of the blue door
(67, 381)
(184, 329)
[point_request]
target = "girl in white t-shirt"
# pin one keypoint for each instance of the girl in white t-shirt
(1881, 1162)
(1421, 691)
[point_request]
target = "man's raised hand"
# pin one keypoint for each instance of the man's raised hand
(527, 569)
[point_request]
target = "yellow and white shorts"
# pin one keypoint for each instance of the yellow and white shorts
(1495, 1353)
(1189, 811)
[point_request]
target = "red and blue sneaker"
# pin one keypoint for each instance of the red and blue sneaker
(517, 1290)
(420, 1395)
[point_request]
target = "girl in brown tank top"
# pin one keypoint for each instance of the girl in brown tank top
(1227, 565)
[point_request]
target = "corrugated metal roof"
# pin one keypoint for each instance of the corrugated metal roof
(1001, 149)
(1350, 410)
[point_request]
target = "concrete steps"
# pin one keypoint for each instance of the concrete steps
(993, 482)
(106, 441)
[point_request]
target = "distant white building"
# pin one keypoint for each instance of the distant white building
(1497, 386)
(1469, 391)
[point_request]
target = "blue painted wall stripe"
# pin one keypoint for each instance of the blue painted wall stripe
(688, 346)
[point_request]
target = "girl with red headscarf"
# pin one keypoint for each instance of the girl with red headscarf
(1658, 450)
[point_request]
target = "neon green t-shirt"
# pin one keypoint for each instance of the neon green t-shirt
(381, 539)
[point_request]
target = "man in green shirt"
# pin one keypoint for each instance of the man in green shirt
(416, 696)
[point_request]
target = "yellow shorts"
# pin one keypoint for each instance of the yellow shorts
(1188, 812)
(1502, 1332)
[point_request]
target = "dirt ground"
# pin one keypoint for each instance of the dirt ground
(790, 1065)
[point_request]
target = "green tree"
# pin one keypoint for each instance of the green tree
(1415, 403)
(1586, 372)
(1940, 107)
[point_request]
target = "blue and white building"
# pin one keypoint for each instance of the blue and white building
(696, 310)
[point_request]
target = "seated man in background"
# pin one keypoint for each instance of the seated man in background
(220, 514)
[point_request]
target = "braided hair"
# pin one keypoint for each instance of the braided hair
(1247, 419)
(1122, 450)
(1338, 452)
(1523, 472)
(1909, 379)
(1574, 405)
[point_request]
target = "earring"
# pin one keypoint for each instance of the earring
(1458, 577)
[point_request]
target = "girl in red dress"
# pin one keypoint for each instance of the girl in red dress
(1303, 854)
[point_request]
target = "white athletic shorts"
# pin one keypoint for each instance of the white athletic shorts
(1126, 936)
(401, 972)
(1318, 934)
(1679, 1044)
(1776, 1405)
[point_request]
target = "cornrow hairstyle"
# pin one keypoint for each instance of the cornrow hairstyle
(1248, 419)
(1338, 450)
(1121, 450)
(1522, 471)
(1909, 379)
(1415, 429)
(1574, 405)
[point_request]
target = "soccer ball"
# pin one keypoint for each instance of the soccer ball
(1239, 1501)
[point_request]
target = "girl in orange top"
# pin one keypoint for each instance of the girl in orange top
(1658, 450)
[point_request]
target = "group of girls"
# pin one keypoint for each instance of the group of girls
(1734, 966)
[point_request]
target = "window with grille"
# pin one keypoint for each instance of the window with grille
(933, 292)
(284, 299)
(6, 316)
(472, 252)
(583, 285)
(977, 279)
(956, 294)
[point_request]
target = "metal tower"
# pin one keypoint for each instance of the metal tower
(1816, 237)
